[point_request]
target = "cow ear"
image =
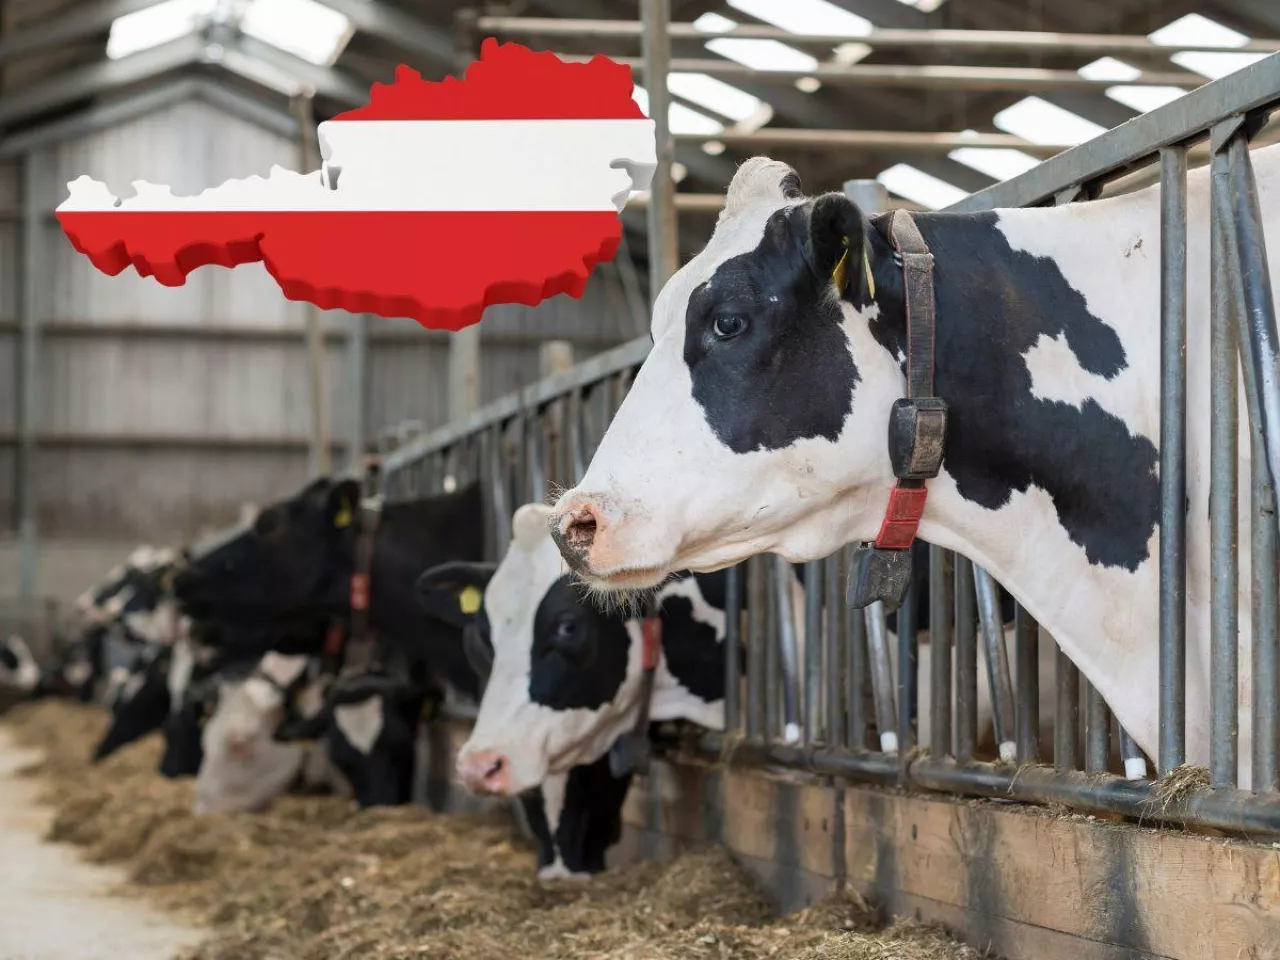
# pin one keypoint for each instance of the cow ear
(836, 242)
(453, 592)
(341, 504)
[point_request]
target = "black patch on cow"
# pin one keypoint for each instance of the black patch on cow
(133, 717)
(579, 655)
(183, 749)
(789, 374)
(383, 776)
(692, 653)
(993, 305)
(8, 658)
(591, 820)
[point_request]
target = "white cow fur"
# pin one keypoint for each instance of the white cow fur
(678, 499)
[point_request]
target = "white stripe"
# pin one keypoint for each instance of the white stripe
(431, 165)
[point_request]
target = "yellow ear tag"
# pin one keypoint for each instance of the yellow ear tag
(469, 599)
(866, 270)
(343, 518)
(842, 268)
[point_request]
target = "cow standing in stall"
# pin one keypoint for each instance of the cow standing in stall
(758, 422)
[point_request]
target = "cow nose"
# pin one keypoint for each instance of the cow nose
(239, 746)
(485, 772)
(576, 528)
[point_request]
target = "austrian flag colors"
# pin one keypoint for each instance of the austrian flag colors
(434, 201)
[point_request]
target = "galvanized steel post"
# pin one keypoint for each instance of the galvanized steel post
(33, 246)
(661, 213)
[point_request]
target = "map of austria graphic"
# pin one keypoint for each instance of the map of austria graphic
(434, 201)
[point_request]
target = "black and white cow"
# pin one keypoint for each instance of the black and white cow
(758, 422)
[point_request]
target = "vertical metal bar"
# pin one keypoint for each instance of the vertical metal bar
(1027, 652)
(357, 386)
(940, 620)
(788, 648)
(1173, 456)
(1066, 720)
(733, 647)
(1255, 313)
(881, 676)
(1135, 764)
(813, 575)
(537, 475)
(756, 612)
(1097, 731)
(836, 642)
(997, 656)
(856, 680)
(772, 649)
(908, 659)
(33, 260)
(577, 427)
(303, 109)
(1260, 344)
(966, 661)
(498, 491)
(1224, 571)
(661, 213)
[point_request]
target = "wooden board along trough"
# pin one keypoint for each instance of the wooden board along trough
(1018, 880)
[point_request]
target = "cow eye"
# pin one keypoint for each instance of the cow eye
(728, 325)
(566, 629)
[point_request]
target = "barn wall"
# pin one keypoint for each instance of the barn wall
(163, 409)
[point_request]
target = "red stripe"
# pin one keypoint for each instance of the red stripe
(508, 82)
(440, 268)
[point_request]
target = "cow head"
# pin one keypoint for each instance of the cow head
(372, 732)
(139, 704)
(18, 668)
(575, 818)
(282, 564)
(566, 679)
(244, 767)
(757, 423)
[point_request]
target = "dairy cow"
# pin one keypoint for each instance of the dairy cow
(758, 422)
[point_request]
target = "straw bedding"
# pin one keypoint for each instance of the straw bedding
(316, 878)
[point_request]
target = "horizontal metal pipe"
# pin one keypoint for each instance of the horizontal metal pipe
(1040, 42)
(913, 140)
(917, 77)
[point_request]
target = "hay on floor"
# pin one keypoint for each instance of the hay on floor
(314, 878)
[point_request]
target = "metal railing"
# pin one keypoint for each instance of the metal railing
(842, 708)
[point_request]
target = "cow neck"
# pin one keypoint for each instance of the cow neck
(881, 570)
(357, 653)
(631, 752)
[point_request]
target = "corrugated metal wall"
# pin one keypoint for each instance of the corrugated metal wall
(163, 409)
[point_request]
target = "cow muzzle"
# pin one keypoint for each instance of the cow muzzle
(597, 538)
(485, 772)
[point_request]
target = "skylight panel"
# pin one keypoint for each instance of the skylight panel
(714, 23)
(681, 119)
(806, 16)
(1197, 30)
(920, 187)
(998, 163)
(716, 95)
(304, 28)
(155, 25)
(762, 54)
(1141, 99)
(1038, 121)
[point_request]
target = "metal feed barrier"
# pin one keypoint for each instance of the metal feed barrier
(815, 712)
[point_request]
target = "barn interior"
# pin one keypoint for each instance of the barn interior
(134, 413)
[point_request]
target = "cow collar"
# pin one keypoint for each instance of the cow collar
(917, 427)
(630, 754)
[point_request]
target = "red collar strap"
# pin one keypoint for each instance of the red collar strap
(335, 639)
(651, 630)
(917, 429)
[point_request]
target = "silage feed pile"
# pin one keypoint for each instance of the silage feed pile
(314, 878)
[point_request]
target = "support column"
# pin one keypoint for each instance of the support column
(661, 212)
(32, 279)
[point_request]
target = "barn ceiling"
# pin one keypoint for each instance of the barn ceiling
(60, 57)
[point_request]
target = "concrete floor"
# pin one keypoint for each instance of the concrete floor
(55, 906)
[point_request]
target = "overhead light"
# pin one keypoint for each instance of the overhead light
(806, 16)
(1141, 99)
(763, 54)
(998, 163)
(808, 84)
(714, 23)
(678, 171)
(154, 25)
(681, 119)
(848, 54)
(304, 28)
(1198, 30)
(713, 148)
(1038, 121)
(922, 188)
(715, 95)
(924, 6)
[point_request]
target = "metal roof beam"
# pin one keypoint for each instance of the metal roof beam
(77, 23)
(402, 29)
(66, 88)
(327, 82)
